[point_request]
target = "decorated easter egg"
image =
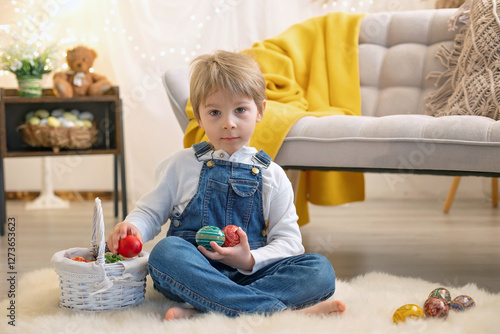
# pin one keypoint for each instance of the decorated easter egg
(57, 112)
(68, 124)
(206, 234)
(232, 237)
(86, 115)
(42, 113)
(33, 121)
(130, 246)
(436, 308)
(411, 311)
(441, 293)
(29, 115)
(75, 112)
(78, 259)
(69, 115)
(52, 121)
(462, 303)
(87, 123)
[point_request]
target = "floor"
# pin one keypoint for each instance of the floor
(404, 238)
(411, 238)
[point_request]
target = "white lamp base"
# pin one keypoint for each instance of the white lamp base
(47, 198)
(47, 201)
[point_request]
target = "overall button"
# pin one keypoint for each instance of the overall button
(176, 223)
(263, 233)
(210, 163)
(255, 171)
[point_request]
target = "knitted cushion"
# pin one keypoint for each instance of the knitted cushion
(472, 80)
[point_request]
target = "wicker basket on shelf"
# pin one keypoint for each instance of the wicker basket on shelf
(77, 137)
(96, 285)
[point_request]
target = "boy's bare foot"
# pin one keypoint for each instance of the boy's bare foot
(180, 313)
(325, 308)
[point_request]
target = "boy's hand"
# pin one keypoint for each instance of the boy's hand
(120, 231)
(238, 256)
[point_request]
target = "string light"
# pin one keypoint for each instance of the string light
(34, 23)
(31, 29)
(185, 53)
(348, 5)
(190, 50)
(32, 26)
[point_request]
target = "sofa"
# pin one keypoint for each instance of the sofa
(397, 52)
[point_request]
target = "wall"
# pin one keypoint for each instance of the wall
(138, 41)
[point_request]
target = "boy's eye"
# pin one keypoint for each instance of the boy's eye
(214, 112)
(240, 110)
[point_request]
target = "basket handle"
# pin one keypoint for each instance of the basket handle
(98, 225)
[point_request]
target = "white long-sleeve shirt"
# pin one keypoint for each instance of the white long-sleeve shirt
(177, 182)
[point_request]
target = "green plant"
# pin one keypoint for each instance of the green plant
(28, 60)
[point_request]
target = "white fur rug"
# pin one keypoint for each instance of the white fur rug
(371, 301)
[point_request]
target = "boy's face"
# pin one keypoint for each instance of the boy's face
(229, 121)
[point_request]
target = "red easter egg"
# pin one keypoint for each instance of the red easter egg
(129, 246)
(232, 237)
(436, 308)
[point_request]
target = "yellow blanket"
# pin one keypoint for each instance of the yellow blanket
(311, 69)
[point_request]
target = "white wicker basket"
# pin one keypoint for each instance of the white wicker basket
(99, 286)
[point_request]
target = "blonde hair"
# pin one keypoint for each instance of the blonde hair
(232, 72)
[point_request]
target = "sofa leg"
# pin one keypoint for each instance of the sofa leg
(494, 192)
(451, 194)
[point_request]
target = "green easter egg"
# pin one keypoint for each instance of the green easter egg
(33, 121)
(70, 116)
(207, 234)
(29, 115)
(42, 113)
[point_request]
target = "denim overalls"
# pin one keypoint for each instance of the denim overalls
(230, 193)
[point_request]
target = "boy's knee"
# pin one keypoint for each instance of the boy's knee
(324, 273)
(168, 249)
(324, 263)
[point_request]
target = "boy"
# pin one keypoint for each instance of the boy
(226, 182)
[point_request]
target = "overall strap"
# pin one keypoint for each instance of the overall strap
(200, 149)
(263, 158)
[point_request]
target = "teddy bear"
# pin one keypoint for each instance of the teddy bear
(78, 80)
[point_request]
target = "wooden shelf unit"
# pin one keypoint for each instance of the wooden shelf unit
(107, 113)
